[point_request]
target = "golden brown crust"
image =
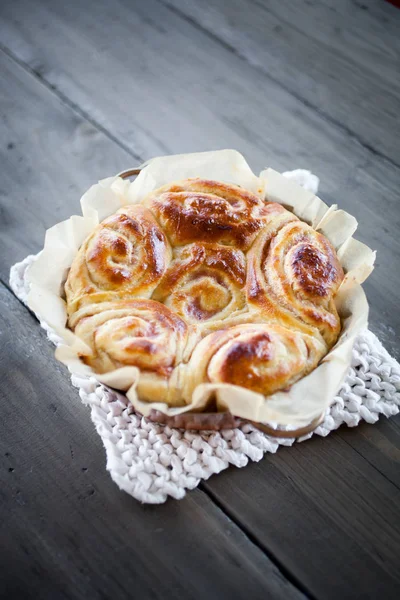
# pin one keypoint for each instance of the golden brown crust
(292, 278)
(259, 356)
(140, 333)
(211, 211)
(125, 256)
(205, 283)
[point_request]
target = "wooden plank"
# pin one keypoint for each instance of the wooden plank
(62, 513)
(138, 85)
(256, 488)
(330, 56)
(49, 156)
(333, 62)
(319, 507)
(379, 445)
(66, 531)
(366, 31)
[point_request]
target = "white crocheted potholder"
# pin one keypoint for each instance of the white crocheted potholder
(152, 462)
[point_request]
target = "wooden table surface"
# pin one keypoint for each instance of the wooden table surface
(89, 88)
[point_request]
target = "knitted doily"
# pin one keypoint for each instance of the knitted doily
(151, 462)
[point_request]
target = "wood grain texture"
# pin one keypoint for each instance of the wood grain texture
(378, 445)
(325, 511)
(48, 155)
(326, 62)
(89, 90)
(66, 529)
(61, 513)
(140, 87)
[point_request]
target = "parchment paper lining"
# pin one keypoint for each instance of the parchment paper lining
(308, 397)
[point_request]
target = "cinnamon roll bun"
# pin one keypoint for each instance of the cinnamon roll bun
(292, 278)
(262, 357)
(125, 256)
(140, 333)
(204, 283)
(195, 210)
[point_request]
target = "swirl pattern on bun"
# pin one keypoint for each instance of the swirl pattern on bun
(261, 357)
(210, 211)
(204, 282)
(139, 333)
(292, 278)
(125, 256)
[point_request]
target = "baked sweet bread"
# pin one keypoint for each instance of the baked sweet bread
(137, 332)
(262, 357)
(205, 282)
(293, 274)
(125, 256)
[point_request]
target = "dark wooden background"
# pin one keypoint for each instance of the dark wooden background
(88, 88)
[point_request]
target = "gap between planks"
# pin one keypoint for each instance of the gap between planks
(70, 104)
(66, 101)
(331, 120)
(287, 574)
(371, 464)
(73, 106)
(284, 572)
